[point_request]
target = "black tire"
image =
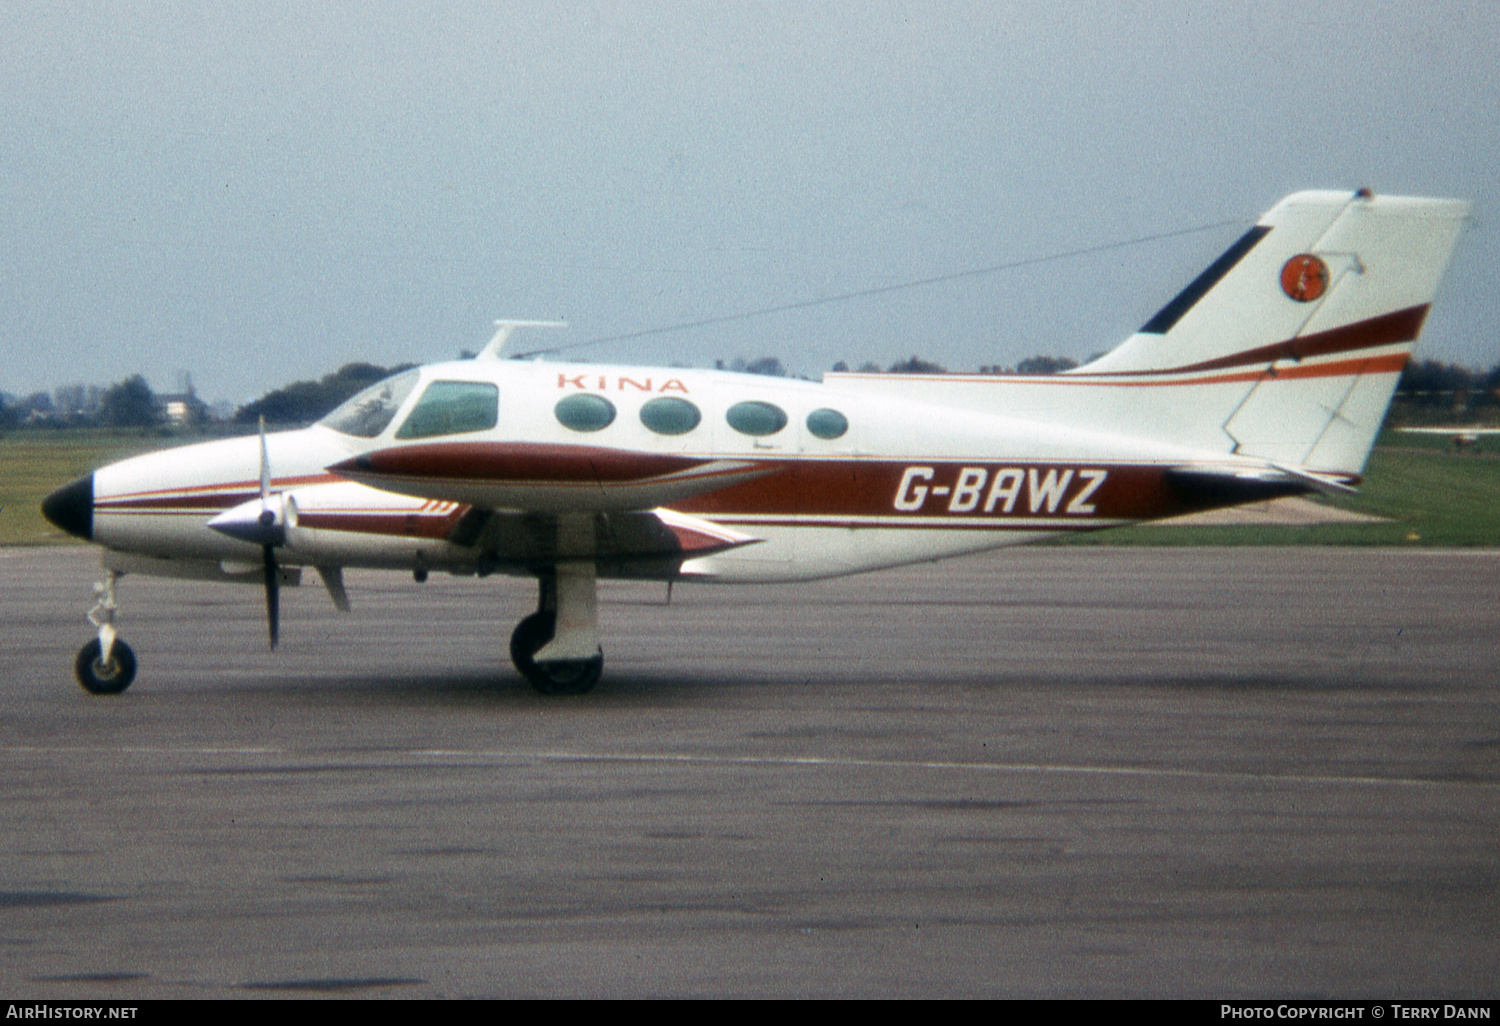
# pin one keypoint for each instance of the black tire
(557, 676)
(100, 678)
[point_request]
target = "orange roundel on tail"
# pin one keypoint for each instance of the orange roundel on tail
(1304, 277)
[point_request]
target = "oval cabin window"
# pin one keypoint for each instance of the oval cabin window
(585, 412)
(668, 415)
(756, 418)
(826, 423)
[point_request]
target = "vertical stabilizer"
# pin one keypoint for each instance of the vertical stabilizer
(1312, 314)
(1287, 348)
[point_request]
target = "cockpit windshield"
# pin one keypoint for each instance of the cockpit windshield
(452, 408)
(368, 413)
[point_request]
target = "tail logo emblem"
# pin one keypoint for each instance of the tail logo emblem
(1304, 277)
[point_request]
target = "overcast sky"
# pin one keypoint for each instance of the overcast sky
(257, 193)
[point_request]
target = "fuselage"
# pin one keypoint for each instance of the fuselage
(817, 480)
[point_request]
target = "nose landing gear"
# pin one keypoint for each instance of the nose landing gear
(106, 665)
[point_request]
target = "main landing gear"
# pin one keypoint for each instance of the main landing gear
(106, 665)
(557, 648)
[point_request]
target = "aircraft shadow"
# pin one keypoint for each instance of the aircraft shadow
(504, 688)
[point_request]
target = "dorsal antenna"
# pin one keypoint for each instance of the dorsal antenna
(503, 329)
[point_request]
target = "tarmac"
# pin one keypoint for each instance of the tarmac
(1221, 773)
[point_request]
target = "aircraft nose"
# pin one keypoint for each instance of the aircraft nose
(71, 508)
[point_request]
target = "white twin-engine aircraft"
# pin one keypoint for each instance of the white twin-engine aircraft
(1268, 375)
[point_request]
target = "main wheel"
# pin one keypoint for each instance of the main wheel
(99, 677)
(555, 676)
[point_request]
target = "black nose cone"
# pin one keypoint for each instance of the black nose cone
(71, 507)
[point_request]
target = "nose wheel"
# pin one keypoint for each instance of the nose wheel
(105, 675)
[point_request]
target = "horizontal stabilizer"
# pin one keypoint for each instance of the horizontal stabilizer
(1201, 488)
(1327, 484)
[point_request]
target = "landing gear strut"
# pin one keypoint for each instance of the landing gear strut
(106, 665)
(557, 648)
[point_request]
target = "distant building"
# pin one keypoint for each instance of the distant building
(181, 408)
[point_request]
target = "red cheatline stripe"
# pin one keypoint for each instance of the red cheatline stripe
(1391, 363)
(215, 496)
(954, 522)
(1397, 328)
(1387, 329)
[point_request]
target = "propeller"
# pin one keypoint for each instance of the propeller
(261, 522)
(272, 535)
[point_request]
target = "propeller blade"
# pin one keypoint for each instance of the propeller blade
(265, 463)
(275, 537)
(273, 593)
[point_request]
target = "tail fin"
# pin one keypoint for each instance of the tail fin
(1309, 316)
(1286, 349)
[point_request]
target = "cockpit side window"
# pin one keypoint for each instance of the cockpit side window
(368, 413)
(452, 408)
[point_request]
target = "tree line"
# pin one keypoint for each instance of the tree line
(130, 403)
(133, 404)
(1428, 389)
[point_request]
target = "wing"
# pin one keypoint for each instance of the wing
(641, 543)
